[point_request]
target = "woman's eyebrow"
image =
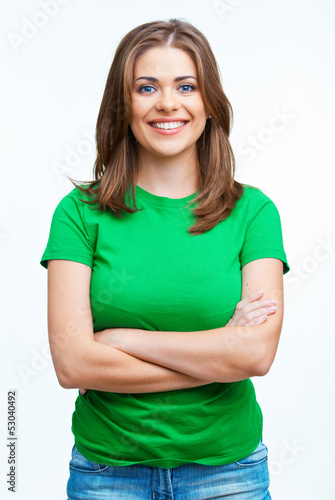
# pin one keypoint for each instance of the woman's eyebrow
(153, 79)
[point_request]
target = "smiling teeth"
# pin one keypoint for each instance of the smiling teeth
(168, 125)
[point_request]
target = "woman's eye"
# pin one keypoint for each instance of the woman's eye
(192, 87)
(145, 87)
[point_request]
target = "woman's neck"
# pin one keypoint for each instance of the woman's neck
(173, 177)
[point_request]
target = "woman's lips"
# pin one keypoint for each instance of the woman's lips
(163, 131)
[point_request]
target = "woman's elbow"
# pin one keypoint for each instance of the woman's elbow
(65, 384)
(72, 364)
(67, 374)
(264, 361)
(262, 369)
(65, 380)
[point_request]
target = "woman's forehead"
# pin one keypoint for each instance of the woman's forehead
(164, 62)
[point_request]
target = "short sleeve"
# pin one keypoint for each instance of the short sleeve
(68, 238)
(263, 237)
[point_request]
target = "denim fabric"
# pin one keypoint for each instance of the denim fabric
(247, 479)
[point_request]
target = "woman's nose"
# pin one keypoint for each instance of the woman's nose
(167, 101)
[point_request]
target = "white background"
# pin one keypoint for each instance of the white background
(275, 58)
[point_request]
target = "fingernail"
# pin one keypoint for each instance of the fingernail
(259, 292)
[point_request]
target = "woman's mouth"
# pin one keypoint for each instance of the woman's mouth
(168, 128)
(167, 125)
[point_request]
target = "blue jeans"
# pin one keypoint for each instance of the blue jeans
(247, 479)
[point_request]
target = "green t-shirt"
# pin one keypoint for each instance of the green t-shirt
(149, 273)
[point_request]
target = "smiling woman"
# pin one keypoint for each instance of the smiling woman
(153, 66)
(165, 286)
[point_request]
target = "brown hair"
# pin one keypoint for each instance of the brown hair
(116, 167)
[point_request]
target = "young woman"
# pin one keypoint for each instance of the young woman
(165, 286)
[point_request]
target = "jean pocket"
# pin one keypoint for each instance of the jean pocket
(83, 465)
(257, 457)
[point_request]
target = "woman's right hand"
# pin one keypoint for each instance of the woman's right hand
(252, 311)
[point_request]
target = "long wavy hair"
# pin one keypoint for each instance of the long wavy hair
(116, 165)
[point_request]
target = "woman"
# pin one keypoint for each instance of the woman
(165, 286)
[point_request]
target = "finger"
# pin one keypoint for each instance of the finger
(251, 298)
(263, 306)
(257, 321)
(271, 310)
(250, 316)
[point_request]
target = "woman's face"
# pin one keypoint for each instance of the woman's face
(166, 91)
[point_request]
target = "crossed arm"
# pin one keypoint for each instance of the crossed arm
(133, 360)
